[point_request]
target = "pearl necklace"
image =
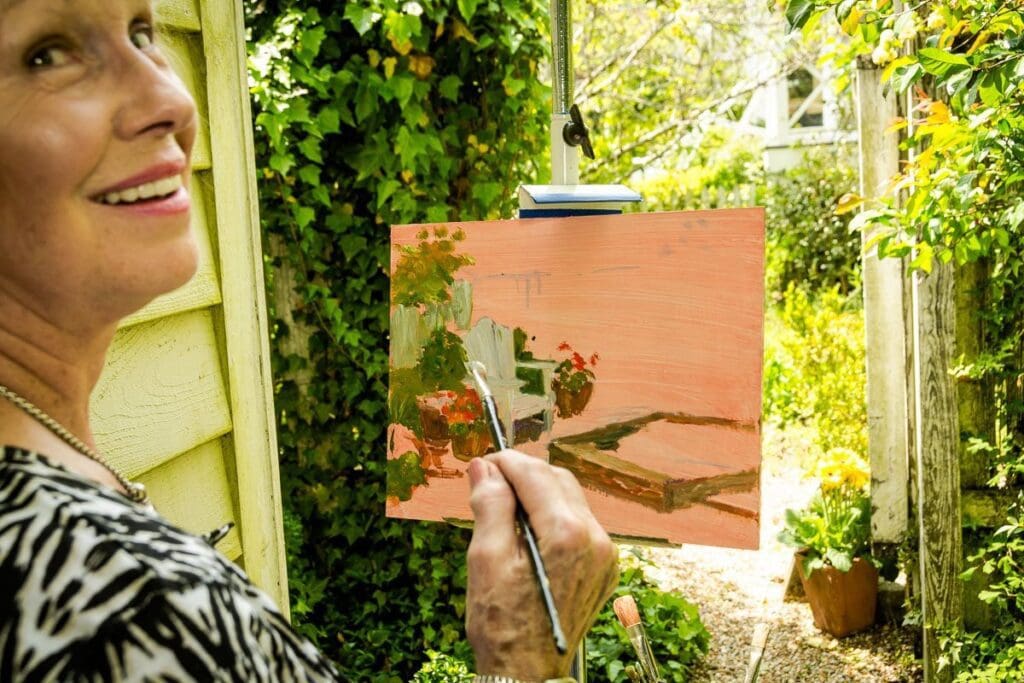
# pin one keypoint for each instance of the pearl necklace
(136, 491)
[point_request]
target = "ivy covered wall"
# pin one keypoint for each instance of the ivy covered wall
(371, 114)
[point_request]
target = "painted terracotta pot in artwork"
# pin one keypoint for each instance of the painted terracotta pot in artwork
(435, 425)
(473, 444)
(568, 403)
(841, 602)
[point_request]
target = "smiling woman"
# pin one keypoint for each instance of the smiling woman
(88, 115)
(96, 134)
(99, 258)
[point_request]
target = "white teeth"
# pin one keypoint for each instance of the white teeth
(159, 188)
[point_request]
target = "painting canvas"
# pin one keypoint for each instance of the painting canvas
(626, 348)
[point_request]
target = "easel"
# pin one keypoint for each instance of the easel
(565, 196)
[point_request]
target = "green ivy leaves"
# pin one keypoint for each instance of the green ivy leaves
(958, 200)
(371, 114)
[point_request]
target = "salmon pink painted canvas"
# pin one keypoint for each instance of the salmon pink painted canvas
(625, 348)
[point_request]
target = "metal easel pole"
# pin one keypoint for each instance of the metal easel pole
(565, 160)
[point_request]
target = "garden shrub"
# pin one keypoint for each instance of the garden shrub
(677, 635)
(442, 668)
(808, 244)
(724, 164)
(957, 199)
(367, 115)
(814, 367)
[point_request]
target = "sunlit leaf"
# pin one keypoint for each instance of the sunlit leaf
(849, 202)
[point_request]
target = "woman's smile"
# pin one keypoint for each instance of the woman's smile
(160, 190)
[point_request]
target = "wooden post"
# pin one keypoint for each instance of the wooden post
(938, 457)
(883, 319)
(977, 402)
(245, 312)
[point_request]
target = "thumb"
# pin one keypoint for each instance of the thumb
(494, 506)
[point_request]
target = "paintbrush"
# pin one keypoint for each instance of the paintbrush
(629, 616)
(479, 372)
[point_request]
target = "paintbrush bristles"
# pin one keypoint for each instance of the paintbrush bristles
(626, 610)
(479, 372)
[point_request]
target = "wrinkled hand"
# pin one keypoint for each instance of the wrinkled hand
(506, 622)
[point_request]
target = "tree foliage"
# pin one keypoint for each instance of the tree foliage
(655, 78)
(371, 114)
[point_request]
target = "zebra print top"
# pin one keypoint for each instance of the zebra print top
(95, 588)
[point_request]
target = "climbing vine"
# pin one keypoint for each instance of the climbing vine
(367, 115)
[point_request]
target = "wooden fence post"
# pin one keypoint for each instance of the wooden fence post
(883, 319)
(938, 458)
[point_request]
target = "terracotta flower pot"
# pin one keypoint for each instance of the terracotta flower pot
(471, 445)
(841, 602)
(568, 403)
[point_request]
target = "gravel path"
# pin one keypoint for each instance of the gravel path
(738, 590)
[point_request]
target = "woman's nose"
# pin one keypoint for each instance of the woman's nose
(155, 102)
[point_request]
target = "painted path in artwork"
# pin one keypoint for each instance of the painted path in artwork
(672, 306)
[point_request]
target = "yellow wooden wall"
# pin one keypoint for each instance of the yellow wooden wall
(185, 402)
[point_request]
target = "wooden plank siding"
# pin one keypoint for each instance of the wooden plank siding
(193, 489)
(246, 337)
(162, 393)
(178, 15)
(185, 402)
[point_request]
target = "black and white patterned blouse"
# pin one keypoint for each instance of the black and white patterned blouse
(95, 588)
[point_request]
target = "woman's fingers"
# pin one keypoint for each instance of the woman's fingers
(539, 489)
(579, 555)
(494, 510)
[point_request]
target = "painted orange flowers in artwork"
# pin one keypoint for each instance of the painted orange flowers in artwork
(465, 412)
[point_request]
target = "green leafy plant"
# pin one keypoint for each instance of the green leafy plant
(404, 473)
(442, 668)
(809, 245)
(814, 367)
(677, 635)
(442, 363)
(959, 200)
(367, 115)
(835, 528)
(575, 372)
(425, 273)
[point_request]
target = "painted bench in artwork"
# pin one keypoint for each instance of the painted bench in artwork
(608, 459)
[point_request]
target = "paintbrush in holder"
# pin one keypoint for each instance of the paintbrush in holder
(629, 616)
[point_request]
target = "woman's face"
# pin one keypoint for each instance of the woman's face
(95, 137)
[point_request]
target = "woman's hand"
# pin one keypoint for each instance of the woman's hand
(506, 622)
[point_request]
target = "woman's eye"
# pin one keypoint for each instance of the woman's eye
(48, 56)
(142, 36)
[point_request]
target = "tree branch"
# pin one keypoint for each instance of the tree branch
(631, 54)
(717, 106)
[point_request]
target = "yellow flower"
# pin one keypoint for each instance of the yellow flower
(843, 467)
